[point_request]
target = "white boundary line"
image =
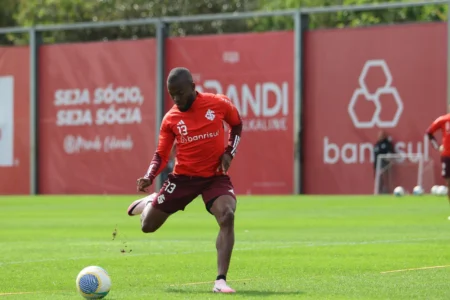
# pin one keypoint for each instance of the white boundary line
(17, 293)
(37, 292)
(414, 269)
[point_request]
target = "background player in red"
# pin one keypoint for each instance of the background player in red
(442, 123)
(195, 124)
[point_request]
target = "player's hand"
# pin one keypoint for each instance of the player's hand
(143, 183)
(441, 148)
(225, 163)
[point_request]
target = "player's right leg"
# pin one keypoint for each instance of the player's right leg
(175, 194)
(152, 218)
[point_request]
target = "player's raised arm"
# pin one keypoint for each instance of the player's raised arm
(160, 158)
(437, 124)
(234, 120)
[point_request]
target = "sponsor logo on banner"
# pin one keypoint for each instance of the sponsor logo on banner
(364, 94)
(99, 107)
(263, 106)
(359, 153)
(7, 121)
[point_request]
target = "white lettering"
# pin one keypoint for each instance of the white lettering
(71, 97)
(267, 99)
(349, 153)
(204, 136)
(113, 115)
(73, 117)
(250, 101)
(104, 116)
(112, 143)
(285, 97)
(76, 144)
(352, 153)
(119, 95)
(269, 88)
(365, 148)
(274, 124)
(330, 147)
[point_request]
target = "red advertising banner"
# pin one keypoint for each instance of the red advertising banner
(257, 76)
(97, 123)
(361, 81)
(14, 120)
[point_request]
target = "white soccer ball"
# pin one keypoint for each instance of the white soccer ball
(434, 190)
(399, 191)
(93, 283)
(442, 190)
(418, 190)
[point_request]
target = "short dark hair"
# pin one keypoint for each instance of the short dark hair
(179, 72)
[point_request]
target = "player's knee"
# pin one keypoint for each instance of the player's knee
(226, 218)
(148, 227)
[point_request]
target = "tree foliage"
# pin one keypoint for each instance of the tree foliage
(39, 12)
(342, 19)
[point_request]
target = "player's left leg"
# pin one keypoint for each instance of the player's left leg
(223, 209)
(448, 189)
(446, 173)
(221, 202)
(445, 162)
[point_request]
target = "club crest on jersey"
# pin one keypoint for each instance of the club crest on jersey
(161, 199)
(210, 115)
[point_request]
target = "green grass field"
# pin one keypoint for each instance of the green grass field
(286, 248)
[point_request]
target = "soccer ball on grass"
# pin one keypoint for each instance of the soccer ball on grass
(93, 283)
(399, 191)
(434, 190)
(441, 190)
(418, 190)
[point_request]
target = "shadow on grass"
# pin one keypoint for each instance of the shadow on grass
(240, 292)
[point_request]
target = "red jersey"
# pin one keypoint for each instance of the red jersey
(199, 136)
(442, 123)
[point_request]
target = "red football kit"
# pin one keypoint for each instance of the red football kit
(199, 135)
(200, 143)
(442, 123)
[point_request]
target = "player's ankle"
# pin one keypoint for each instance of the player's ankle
(221, 277)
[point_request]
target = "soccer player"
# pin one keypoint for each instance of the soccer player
(202, 160)
(442, 123)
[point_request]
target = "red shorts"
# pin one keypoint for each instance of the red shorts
(445, 163)
(179, 190)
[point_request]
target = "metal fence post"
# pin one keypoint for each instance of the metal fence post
(301, 23)
(161, 35)
(35, 41)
